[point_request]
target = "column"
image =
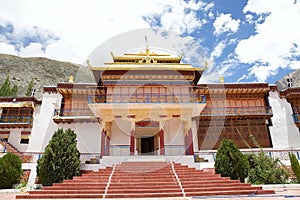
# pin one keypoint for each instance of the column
(132, 138)
(161, 137)
(102, 152)
(188, 139)
(161, 142)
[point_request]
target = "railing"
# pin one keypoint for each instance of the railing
(117, 150)
(174, 150)
(147, 98)
(84, 157)
(16, 119)
(296, 117)
(282, 154)
(73, 112)
(170, 150)
(227, 111)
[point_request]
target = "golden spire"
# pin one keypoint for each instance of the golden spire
(71, 79)
(221, 79)
(147, 46)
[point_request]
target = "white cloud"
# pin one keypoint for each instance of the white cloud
(218, 50)
(224, 23)
(7, 49)
(33, 49)
(276, 42)
(181, 16)
(83, 25)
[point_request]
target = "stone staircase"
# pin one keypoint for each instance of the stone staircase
(145, 180)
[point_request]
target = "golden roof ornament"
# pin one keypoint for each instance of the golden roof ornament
(71, 79)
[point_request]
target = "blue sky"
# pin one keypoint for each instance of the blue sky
(244, 40)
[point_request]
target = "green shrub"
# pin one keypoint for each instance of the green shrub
(61, 158)
(230, 161)
(265, 170)
(295, 166)
(10, 170)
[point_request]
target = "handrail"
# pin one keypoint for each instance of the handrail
(16, 119)
(117, 150)
(73, 112)
(217, 111)
(147, 98)
(174, 150)
(282, 154)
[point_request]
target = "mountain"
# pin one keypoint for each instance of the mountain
(294, 76)
(44, 71)
(47, 72)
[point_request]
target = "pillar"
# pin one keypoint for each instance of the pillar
(161, 142)
(188, 139)
(132, 138)
(161, 137)
(102, 152)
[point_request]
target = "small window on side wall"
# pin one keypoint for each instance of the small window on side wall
(24, 141)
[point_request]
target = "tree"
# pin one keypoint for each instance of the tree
(10, 170)
(295, 166)
(61, 158)
(230, 161)
(29, 87)
(6, 90)
(266, 170)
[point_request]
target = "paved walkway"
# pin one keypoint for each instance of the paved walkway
(282, 192)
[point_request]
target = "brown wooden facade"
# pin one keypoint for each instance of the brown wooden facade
(234, 111)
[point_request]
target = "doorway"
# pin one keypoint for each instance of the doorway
(147, 145)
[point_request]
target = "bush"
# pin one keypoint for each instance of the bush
(61, 158)
(295, 166)
(265, 170)
(230, 161)
(10, 170)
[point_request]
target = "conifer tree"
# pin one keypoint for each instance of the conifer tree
(61, 158)
(10, 170)
(6, 90)
(231, 162)
(295, 166)
(29, 87)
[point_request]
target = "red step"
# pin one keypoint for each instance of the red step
(145, 180)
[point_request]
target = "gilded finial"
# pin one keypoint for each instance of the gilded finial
(112, 54)
(221, 79)
(71, 79)
(147, 45)
(88, 63)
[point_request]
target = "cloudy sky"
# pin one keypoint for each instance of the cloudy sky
(246, 41)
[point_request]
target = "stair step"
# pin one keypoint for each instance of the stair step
(145, 180)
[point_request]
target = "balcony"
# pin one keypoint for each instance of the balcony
(16, 121)
(73, 115)
(263, 111)
(147, 98)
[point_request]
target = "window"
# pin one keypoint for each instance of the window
(24, 141)
(25, 137)
(4, 136)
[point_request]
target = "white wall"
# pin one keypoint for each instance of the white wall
(43, 125)
(15, 138)
(284, 132)
(174, 132)
(120, 132)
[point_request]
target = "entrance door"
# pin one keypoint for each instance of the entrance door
(147, 145)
